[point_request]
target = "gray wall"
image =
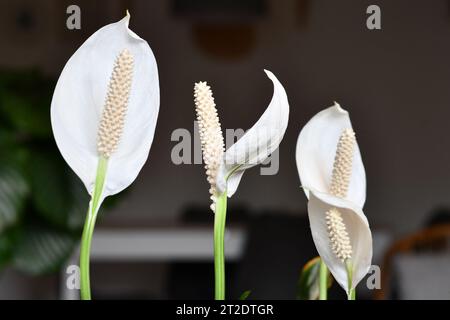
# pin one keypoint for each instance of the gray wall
(394, 82)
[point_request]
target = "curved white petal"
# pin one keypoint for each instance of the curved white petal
(316, 149)
(79, 99)
(258, 142)
(358, 231)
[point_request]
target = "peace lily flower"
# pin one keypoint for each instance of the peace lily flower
(224, 169)
(333, 178)
(103, 115)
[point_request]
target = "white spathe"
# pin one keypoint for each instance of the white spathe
(316, 149)
(315, 154)
(79, 99)
(358, 231)
(257, 143)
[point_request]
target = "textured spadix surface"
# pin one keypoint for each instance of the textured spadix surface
(115, 110)
(333, 177)
(80, 99)
(316, 150)
(210, 132)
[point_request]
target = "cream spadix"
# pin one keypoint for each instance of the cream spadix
(106, 104)
(210, 132)
(333, 177)
(113, 117)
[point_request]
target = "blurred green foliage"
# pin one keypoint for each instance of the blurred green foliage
(245, 295)
(308, 283)
(42, 203)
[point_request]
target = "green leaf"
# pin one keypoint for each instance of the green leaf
(8, 240)
(50, 188)
(25, 99)
(42, 250)
(80, 204)
(6, 138)
(13, 193)
(26, 115)
(308, 284)
(59, 196)
(245, 295)
(17, 155)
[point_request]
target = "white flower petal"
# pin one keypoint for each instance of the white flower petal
(316, 149)
(358, 231)
(258, 142)
(79, 99)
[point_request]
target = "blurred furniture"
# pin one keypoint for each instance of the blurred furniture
(424, 276)
(220, 10)
(278, 246)
(188, 244)
(265, 257)
(221, 28)
(406, 252)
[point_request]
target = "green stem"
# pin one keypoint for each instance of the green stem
(351, 291)
(323, 281)
(352, 294)
(219, 246)
(88, 229)
(85, 249)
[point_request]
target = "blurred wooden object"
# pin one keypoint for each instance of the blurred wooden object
(220, 28)
(432, 238)
(220, 11)
(225, 41)
(302, 9)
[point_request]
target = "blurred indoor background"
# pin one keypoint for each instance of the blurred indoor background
(154, 240)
